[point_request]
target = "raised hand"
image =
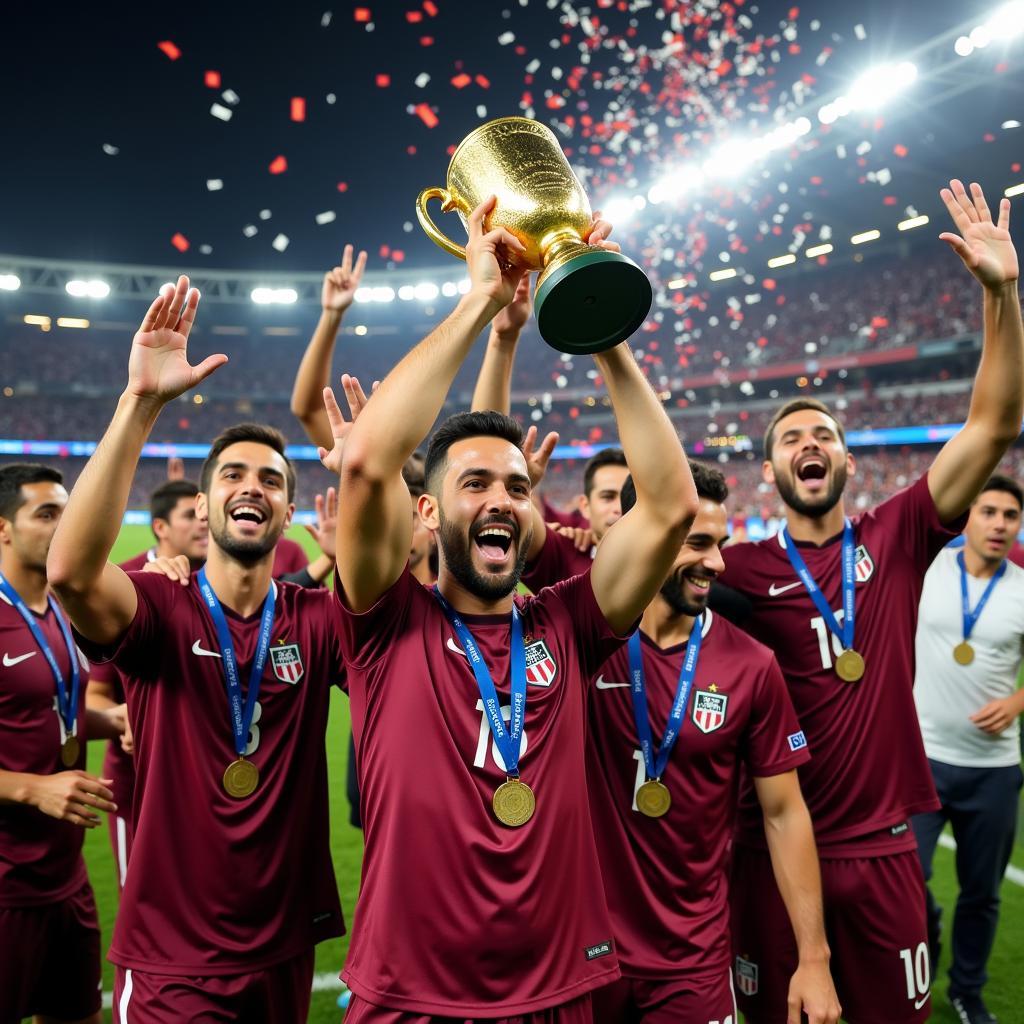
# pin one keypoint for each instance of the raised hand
(491, 272)
(73, 796)
(158, 367)
(599, 232)
(340, 427)
(341, 283)
(324, 531)
(508, 324)
(984, 246)
(537, 459)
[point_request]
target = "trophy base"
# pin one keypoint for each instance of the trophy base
(592, 301)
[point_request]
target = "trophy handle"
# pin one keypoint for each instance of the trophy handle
(433, 232)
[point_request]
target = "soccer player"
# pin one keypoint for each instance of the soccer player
(664, 808)
(837, 601)
(49, 931)
(970, 635)
(231, 884)
(172, 518)
(553, 555)
(481, 895)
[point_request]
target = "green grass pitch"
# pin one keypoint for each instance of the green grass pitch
(1005, 992)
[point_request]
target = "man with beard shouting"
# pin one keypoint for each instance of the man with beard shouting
(836, 599)
(481, 896)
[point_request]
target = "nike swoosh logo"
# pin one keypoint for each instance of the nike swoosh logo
(453, 646)
(602, 685)
(774, 591)
(918, 1003)
(10, 662)
(196, 649)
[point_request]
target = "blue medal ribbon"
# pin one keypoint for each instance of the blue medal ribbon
(655, 765)
(241, 717)
(508, 740)
(67, 703)
(845, 632)
(970, 618)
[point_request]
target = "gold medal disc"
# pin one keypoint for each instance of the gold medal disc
(963, 654)
(850, 666)
(69, 751)
(514, 803)
(653, 799)
(241, 778)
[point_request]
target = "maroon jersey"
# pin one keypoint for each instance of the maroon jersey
(558, 560)
(139, 561)
(666, 878)
(868, 772)
(1016, 554)
(573, 518)
(40, 857)
(458, 914)
(289, 556)
(218, 885)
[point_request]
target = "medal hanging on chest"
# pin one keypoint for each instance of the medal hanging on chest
(849, 665)
(653, 798)
(241, 777)
(513, 802)
(963, 653)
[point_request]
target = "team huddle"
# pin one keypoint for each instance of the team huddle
(682, 777)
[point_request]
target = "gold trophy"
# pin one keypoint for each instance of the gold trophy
(587, 299)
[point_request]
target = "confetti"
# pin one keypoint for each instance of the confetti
(461, 81)
(224, 113)
(860, 32)
(426, 115)
(169, 49)
(212, 79)
(280, 243)
(265, 215)
(383, 81)
(422, 79)
(342, 186)
(362, 14)
(298, 109)
(206, 249)
(505, 38)
(214, 184)
(331, 98)
(413, 17)
(430, 7)
(180, 242)
(278, 165)
(326, 217)
(230, 96)
(325, 18)
(110, 150)
(249, 230)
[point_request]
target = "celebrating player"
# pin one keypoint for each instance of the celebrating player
(49, 931)
(663, 811)
(836, 599)
(231, 883)
(480, 894)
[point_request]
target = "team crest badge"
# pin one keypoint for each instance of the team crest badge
(863, 565)
(746, 976)
(709, 710)
(540, 666)
(287, 662)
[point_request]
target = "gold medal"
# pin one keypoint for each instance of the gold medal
(514, 803)
(69, 751)
(241, 778)
(963, 654)
(850, 666)
(653, 799)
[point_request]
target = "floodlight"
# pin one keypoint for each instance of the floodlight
(406, 292)
(449, 288)
(9, 282)
(382, 293)
(881, 83)
(364, 294)
(818, 250)
(782, 261)
(866, 236)
(723, 275)
(426, 292)
(1014, 190)
(913, 222)
(963, 47)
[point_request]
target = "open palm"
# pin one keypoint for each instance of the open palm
(158, 367)
(984, 246)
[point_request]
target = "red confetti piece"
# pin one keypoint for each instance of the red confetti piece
(879, 321)
(413, 17)
(430, 7)
(900, 150)
(461, 81)
(426, 40)
(1015, 168)
(411, 150)
(397, 255)
(384, 251)
(212, 79)
(298, 109)
(362, 14)
(988, 137)
(383, 81)
(483, 81)
(169, 49)
(342, 186)
(889, 201)
(768, 284)
(180, 242)
(278, 165)
(426, 115)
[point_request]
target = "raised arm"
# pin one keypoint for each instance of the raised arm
(494, 383)
(997, 401)
(98, 596)
(374, 524)
(339, 289)
(636, 553)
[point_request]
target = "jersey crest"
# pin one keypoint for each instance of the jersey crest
(746, 976)
(863, 565)
(540, 666)
(709, 710)
(287, 662)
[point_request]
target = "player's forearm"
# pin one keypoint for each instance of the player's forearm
(494, 384)
(997, 401)
(654, 455)
(16, 788)
(313, 376)
(409, 399)
(320, 568)
(101, 725)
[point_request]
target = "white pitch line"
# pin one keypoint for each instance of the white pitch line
(328, 981)
(1014, 874)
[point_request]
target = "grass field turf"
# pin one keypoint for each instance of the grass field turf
(1005, 992)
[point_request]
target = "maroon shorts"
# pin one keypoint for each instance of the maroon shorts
(875, 922)
(120, 829)
(50, 964)
(278, 994)
(706, 999)
(576, 1011)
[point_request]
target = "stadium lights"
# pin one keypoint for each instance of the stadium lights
(1014, 190)
(621, 208)
(678, 282)
(360, 329)
(675, 185)
(782, 261)
(265, 296)
(38, 321)
(382, 293)
(1006, 23)
(723, 275)
(9, 282)
(80, 289)
(426, 292)
(407, 293)
(449, 288)
(913, 222)
(818, 250)
(871, 89)
(72, 321)
(865, 236)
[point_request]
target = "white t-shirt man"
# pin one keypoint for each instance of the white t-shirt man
(948, 693)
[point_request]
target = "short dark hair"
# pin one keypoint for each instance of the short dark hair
(413, 475)
(605, 457)
(14, 476)
(709, 481)
(460, 426)
(999, 482)
(797, 405)
(164, 500)
(258, 433)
